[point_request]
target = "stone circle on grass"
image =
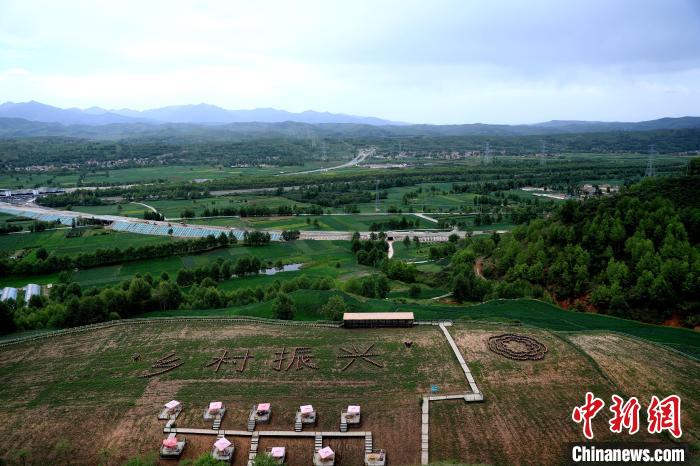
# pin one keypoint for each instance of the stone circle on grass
(517, 347)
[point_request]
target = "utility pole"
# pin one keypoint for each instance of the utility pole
(651, 170)
(376, 197)
(487, 153)
(543, 154)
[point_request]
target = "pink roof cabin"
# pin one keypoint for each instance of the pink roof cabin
(326, 453)
(306, 409)
(353, 409)
(222, 444)
(277, 452)
(170, 442)
(263, 407)
(170, 405)
(215, 406)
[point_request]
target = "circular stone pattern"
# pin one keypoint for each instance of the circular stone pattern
(517, 347)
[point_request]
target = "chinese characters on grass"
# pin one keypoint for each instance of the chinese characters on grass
(662, 415)
(283, 360)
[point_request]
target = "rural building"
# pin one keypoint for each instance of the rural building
(9, 293)
(278, 454)
(223, 450)
(324, 457)
(172, 447)
(31, 290)
(377, 319)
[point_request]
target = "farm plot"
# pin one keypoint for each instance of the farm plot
(357, 222)
(526, 415)
(93, 376)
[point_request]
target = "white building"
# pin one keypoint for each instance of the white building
(31, 290)
(9, 293)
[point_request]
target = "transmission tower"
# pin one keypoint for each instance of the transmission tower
(651, 170)
(376, 197)
(487, 153)
(543, 154)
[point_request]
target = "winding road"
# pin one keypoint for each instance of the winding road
(362, 154)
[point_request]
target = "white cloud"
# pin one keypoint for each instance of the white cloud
(443, 61)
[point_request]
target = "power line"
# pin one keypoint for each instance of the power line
(651, 169)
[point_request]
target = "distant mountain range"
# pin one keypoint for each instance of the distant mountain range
(208, 121)
(202, 114)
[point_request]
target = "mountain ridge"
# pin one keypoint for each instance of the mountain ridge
(37, 119)
(202, 113)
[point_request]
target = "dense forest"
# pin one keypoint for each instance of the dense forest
(634, 255)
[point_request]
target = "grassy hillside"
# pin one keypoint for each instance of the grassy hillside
(526, 311)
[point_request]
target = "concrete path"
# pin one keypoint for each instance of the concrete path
(390, 253)
(425, 217)
(146, 205)
(475, 396)
(460, 359)
(442, 296)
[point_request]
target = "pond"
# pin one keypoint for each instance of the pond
(284, 268)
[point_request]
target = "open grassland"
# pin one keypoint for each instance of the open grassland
(525, 418)
(171, 173)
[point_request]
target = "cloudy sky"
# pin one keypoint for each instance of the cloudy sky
(431, 61)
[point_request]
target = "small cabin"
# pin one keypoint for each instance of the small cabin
(215, 412)
(262, 412)
(259, 414)
(278, 454)
(324, 457)
(377, 319)
(171, 410)
(215, 407)
(306, 415)
(375, 458)
(223, 450)
(349, 417)
(172, 447)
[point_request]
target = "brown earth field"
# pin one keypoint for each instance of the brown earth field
(78, 399)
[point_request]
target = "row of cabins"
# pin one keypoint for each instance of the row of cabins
(10, 293)
(223, 449)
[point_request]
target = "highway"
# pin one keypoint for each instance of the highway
(362, 154)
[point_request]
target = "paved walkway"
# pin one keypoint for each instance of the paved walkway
(425, 217)
(147, 206)
(475, 395)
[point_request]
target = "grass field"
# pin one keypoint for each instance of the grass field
(92, 376)
(320, 258)
(332, 222)
(171, 173)
(55, 241)
(174, 208)
(521, 311)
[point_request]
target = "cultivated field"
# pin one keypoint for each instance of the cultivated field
(83, 392)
